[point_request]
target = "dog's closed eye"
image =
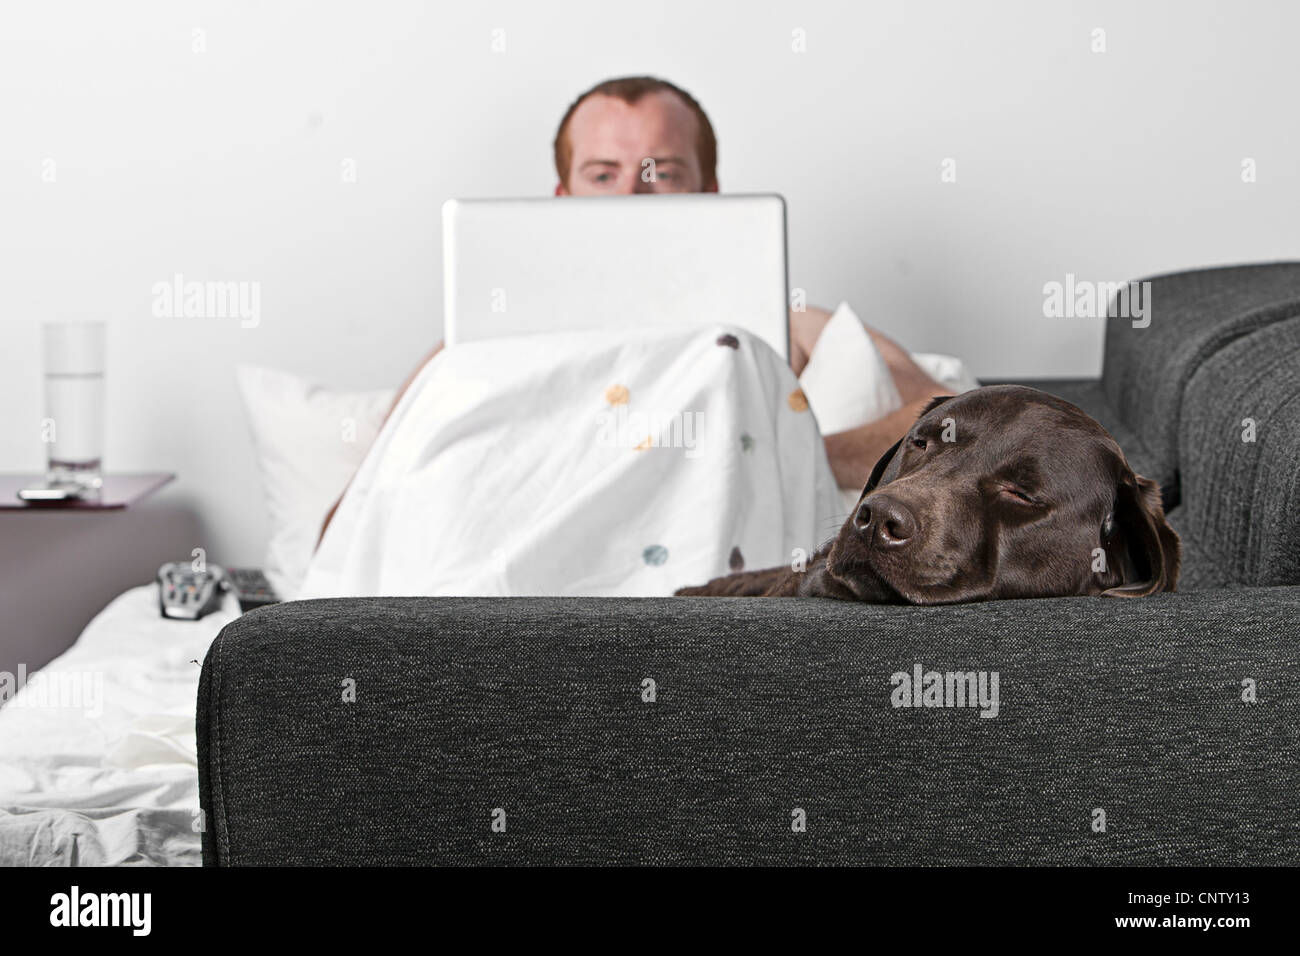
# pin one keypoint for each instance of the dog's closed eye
(1018, 495)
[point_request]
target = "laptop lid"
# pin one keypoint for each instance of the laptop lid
(523, 266)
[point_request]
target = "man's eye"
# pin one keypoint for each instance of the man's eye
(604, 177)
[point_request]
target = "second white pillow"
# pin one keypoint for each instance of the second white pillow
(310, 440)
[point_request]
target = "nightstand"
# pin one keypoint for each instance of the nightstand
(62, 562)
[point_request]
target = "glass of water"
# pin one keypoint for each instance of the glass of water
(73, 428)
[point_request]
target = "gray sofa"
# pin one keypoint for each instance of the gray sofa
(1162, 730)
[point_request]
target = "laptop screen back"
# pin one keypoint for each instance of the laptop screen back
(524, 266)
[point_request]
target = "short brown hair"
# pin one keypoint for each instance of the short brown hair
(629, 89)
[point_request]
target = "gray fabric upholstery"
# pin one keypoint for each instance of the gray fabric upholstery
(1146, 370)
(1240, 522)
(763, 706)
(1193, 315)
(1133, 708)
(1090, 395)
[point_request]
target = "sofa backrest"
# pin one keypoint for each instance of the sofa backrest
(1192, 316)
(1239, 461)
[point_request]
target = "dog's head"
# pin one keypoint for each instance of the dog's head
(1005, 492)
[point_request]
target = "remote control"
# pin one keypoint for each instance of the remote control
(54, 491)
(186, 594)
(252, 588)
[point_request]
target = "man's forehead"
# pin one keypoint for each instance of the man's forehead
(657, 122)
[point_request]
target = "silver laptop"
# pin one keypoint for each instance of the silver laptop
(523, 266)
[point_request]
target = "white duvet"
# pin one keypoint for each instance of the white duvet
(584, 464)
(97, 751)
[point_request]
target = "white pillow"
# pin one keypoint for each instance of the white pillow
(309, 440)
(846, 380)
(946, 370)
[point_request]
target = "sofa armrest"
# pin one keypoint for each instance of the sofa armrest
(533, 713)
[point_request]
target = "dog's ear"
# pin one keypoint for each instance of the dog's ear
(1141, 546)
(932, 404)
(878, 472)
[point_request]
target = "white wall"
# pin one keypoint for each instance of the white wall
(225, 165)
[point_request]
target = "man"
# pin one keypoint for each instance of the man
(602, 148)
(640, 134)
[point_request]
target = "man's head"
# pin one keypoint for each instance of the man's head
(636, 134)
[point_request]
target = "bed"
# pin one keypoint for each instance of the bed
(122, 789)
(97, 751)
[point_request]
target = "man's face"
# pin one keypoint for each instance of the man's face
(612, 142)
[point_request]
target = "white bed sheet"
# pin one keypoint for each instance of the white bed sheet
(111, 781)
(594, 463)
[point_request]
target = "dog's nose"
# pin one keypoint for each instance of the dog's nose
(886, 521)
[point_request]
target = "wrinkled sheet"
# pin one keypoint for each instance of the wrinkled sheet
(97, 750)
(584, 464)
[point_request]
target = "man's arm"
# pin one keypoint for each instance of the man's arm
(411, 378)
(854, 453)
(913, 382)
(910, 379)
(329, 515)
(805, 328)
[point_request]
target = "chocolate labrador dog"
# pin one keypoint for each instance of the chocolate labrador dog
(1001, 492)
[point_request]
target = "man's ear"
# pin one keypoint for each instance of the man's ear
(1142, 547)
(878, 472)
